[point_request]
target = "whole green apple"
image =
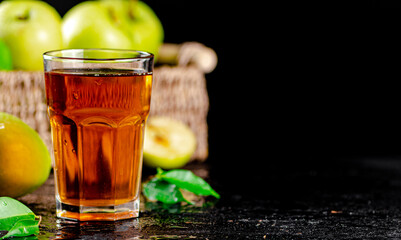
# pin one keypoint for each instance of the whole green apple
(29, 28)
(120, 24)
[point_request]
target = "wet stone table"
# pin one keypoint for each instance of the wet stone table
(342, 199)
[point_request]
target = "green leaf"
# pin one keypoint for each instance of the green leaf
(157, 189)
(12, 211)
(23, 228)
(16, 218)
(185, 179)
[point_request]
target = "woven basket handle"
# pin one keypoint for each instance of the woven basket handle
(189, 53)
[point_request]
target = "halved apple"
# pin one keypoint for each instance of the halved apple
(168, 143)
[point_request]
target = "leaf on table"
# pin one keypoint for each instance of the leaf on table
(187, 180)
(16, 218)
(160, 190)
(23, 228)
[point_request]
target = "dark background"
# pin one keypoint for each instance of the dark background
(296, 86)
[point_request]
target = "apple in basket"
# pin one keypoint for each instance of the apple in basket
(29, 28)
(112, 24)
(168, 143)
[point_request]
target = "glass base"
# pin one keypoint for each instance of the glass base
(107, 213)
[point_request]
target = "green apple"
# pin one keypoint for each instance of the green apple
(29, 28)
(5, 57)
(168, 143)
(120, 24)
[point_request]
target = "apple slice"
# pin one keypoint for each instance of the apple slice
(168, 143)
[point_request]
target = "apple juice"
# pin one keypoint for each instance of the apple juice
(97, 120)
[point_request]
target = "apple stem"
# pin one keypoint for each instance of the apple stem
(24, 16)
(131, 14)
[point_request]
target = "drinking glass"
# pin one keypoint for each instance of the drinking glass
(98, 103)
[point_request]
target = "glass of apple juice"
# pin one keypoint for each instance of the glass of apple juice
(98, 103)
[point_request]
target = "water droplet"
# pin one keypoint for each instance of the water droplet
(75, 95)
(73, 150)
(65, 142)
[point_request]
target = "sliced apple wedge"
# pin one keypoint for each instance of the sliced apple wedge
(168, 143)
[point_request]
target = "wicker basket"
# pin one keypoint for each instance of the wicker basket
(179, 91)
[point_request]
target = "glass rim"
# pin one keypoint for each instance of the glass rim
(50, 55)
